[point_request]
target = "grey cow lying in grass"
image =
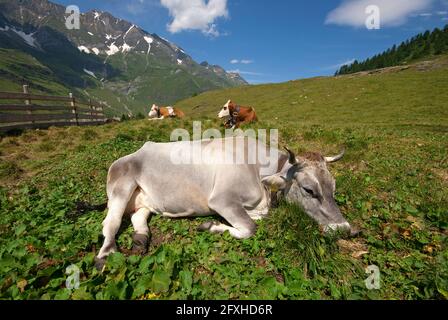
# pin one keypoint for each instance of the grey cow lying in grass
(160, 178)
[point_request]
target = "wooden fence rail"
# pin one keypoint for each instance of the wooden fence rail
(66, 111)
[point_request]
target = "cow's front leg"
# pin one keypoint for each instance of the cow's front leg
(140, 237)
(156, 119)
(242, 226)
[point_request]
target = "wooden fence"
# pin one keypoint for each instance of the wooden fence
(56, 111)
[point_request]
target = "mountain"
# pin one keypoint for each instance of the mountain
(423, 45)
(107, 59)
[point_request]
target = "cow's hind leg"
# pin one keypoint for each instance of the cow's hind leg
(242, 226)
(141, 235)
(118, 201)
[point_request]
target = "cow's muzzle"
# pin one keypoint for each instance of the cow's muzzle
(344, 228)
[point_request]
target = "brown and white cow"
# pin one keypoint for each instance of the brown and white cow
(161, 113)
(237, 115)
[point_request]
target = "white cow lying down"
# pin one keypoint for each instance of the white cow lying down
(149, 181)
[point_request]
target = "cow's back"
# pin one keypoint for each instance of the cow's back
(172, 186)
(176, 179)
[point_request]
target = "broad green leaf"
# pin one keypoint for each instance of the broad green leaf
(160, 281)
(20, 229)
(268, 288)
(116, 261)
(145, 264)
(81, 294)
(133, 260)
(142, 285)
(186, 279)
(116, 290)
(62, 294)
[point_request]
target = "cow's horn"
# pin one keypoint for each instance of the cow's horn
(292, 156)
(336, 158)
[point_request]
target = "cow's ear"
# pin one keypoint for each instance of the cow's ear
(275, 182)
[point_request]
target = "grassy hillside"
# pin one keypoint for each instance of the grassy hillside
(414, 95)
(18, 68)
(392, 184)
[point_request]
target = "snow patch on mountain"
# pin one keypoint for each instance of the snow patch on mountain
(90, 73)
(132, 27)
(149, 40)
(126, 48)
(28, 38)
(84, 49)
(96, 51)
(113, 49)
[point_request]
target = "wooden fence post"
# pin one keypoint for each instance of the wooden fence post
(28, 103)
(92, 108)
(102, 113)
(73, 105)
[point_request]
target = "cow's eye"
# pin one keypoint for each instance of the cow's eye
(225, 108)
(309, 191)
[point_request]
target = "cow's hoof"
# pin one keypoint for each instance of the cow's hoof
(206, 226)
(99, 263)
(140, 244)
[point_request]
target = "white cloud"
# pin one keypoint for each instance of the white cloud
(346, 63)
(339, 65)
(393, 13)
(442, 13)
(244, 61)
(248, 73)
(196, 15)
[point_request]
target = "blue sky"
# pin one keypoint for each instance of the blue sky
(276, 41)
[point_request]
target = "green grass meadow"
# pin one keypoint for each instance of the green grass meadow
(392, 184)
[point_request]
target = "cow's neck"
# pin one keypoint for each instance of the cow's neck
(234, 109)
(281, 164)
